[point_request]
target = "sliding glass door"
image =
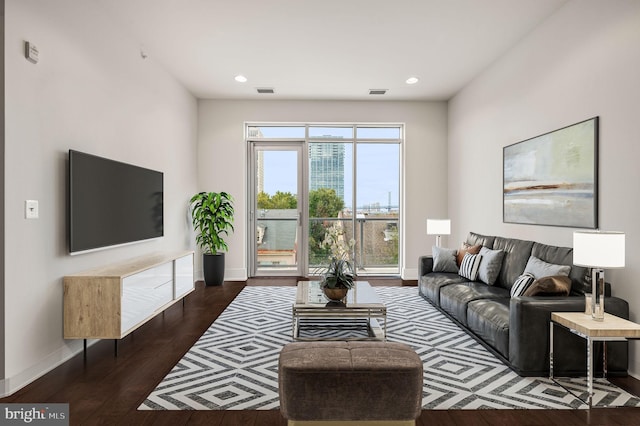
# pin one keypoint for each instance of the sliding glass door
(276, 209)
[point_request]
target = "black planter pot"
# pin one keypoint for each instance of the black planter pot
(213, 268)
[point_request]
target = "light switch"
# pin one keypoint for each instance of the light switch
(31, 52)
(31, 209)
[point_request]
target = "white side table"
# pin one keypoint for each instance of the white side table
(613, 328)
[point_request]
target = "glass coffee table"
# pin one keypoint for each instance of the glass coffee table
(361, 316)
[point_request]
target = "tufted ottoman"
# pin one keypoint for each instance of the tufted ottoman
(377, 383)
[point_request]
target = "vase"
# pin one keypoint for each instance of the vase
(335, 294)
(213, 268)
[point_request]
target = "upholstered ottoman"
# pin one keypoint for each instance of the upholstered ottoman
(378, 383)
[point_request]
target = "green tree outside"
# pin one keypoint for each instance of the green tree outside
(280, 200)
(323, 203)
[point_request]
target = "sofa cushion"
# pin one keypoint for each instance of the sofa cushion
(516, 255)
(521, 285)
(539, 268)
(444, 259)
(455, 297)
(464, 249)
(564, 256)
(557, 285)
(490, 265)
(470, 265)
(430, 285)
(489, 320)
(474, 239)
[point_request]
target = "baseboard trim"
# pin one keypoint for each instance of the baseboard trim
(11, 385)
(409, 274)
(237, 274)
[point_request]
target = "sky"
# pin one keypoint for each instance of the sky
(378, 173)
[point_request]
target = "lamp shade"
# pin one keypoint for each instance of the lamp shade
(597, 249)
(438, 226)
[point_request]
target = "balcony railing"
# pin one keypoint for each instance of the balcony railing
(373, 248)
(372, 244)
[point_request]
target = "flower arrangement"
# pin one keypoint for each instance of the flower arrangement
(338, 274)
(335, 241)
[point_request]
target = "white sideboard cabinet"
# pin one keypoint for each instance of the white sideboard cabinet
(112, 301)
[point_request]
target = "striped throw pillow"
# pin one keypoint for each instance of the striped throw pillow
(469, 266)
(522, 284)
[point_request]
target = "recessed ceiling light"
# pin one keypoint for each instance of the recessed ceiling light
(412, 80)
(241, 78)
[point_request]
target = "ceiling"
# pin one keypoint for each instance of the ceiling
(327, 49)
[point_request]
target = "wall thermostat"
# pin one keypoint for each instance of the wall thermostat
(31, 52)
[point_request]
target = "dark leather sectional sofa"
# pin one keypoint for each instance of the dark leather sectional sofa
(516, 329)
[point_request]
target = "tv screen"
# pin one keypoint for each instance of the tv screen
(112, 203)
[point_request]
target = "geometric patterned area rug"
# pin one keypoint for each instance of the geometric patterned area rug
(234, 365)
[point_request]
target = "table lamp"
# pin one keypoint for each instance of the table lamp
(598, 250)
(438, 227)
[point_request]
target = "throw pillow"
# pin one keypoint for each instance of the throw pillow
(444, 260)
(464, 249)
(522, 284)
(469, 266)
(490, 265)
(539, 268)
(558, 285)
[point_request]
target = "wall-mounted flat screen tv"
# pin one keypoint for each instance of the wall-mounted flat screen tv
(112, 203)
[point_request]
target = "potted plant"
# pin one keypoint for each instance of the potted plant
(212, 216)
(337, 279)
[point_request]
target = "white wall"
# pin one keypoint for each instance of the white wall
(91, 91)
(222, 159)
(584, 61)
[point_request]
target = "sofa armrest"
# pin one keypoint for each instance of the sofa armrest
(529, 319)
(425, 265)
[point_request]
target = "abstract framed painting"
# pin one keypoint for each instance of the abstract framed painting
(552, 179)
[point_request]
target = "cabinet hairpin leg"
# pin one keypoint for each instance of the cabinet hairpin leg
(115, 346)
(84, 349)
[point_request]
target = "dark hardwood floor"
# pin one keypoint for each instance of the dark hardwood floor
(106, 390)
